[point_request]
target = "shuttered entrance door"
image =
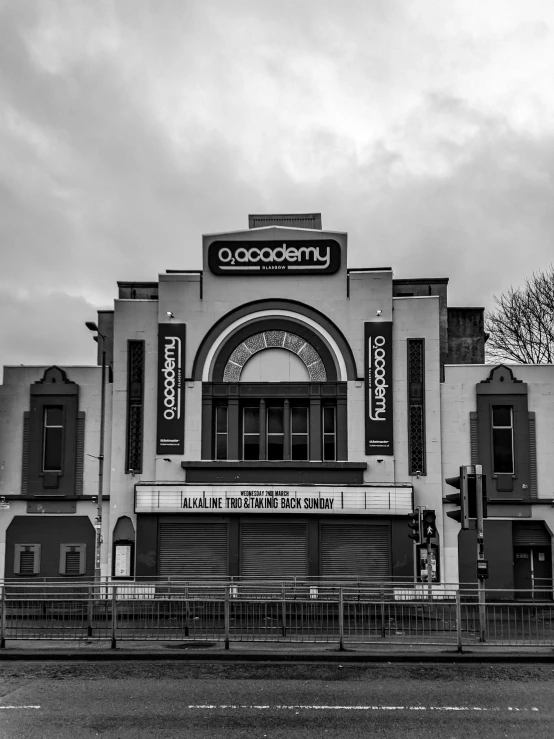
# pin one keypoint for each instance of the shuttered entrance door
(273, 550)
(193, 549)
(355, 550)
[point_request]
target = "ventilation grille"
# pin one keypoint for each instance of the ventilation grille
(27, 562)
(135, 400)
(25, 453)
(416, 406)
(73, 562)
(294, 220)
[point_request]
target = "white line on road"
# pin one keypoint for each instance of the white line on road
(3, 708)
(362, 708)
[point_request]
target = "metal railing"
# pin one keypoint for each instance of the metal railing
(383, 614)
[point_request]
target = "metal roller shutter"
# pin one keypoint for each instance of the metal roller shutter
(273, 550)
(355, 550)
(530, 534)
(193, 549)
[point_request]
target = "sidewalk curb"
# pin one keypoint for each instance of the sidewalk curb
(291, 658)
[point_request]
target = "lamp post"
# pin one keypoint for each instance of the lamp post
(98, 525)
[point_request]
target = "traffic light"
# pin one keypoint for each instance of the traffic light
(466, 483)
(429, 524)
(472, 496)
(461, 499)
(415, 524)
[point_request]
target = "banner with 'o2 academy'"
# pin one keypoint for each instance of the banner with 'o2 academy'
(378, 389)
(170, 437)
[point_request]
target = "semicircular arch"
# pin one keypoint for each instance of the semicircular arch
(295, 317)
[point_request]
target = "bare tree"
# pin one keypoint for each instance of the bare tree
(521, 326)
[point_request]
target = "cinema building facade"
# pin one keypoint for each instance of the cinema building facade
(275, 415)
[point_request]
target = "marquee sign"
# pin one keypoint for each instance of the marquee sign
(378, 388)
(269, 499)
(171, 389)
(292, 257)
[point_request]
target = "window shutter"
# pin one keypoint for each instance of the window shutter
(72, 559)
(27, 559)
(533, 457)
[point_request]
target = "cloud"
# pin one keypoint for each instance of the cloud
(128, 129)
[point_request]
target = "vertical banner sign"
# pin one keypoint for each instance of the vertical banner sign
(378, 389)
(171, 388)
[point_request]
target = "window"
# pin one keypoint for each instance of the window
(275, 433)
(299, 448)
(221, 431)
(52, 438)
(251, 433)
(26, 560)
(73, 559)
(329, 433)
(274, 422)
(503, 439)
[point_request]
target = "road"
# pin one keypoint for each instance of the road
(124, 700)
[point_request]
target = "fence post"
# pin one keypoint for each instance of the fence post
(482, 611)
(114, 616)
(459, 622)
(89, 611)
(3, 619)
(383, 631)
(227, 615)
(283, 610)
(341, 621)
(187, 610)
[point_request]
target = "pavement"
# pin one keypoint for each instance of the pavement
(257, 651)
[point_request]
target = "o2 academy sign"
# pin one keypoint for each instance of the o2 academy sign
(171, 389)
(378, 389)
(292, 257)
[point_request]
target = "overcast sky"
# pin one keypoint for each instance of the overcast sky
(423, 128)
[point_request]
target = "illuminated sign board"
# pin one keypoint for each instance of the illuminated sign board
(378, 388)
(171, 389)
(268, 499)
(290, 257)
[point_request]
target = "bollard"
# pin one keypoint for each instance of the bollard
(227, 616)
(341, 621)
(3, 619)
(114, 616)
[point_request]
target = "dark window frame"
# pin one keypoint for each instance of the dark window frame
(325, 434)
(313, 396)
(45, 436)
(494, 428)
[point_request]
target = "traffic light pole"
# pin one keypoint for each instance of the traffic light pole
(429, 570)
(480, 550)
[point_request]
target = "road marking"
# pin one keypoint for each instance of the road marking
(359, 708)
(3, 708)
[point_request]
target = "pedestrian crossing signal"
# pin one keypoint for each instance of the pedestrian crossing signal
(429, 524)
